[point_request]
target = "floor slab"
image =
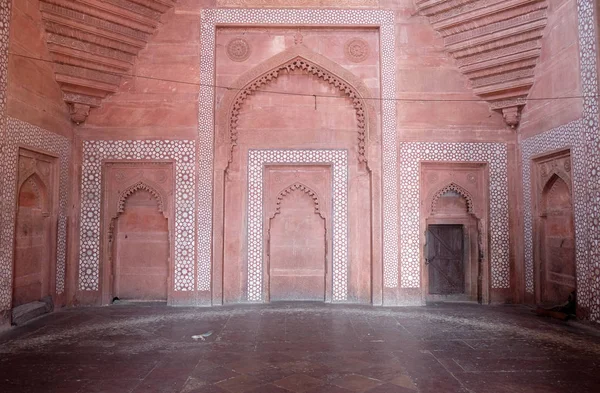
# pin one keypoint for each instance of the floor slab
(299, 347)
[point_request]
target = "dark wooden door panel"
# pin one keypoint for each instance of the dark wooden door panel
(445, 259)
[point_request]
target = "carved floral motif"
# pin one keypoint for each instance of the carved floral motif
(238, 49)
(356, 50)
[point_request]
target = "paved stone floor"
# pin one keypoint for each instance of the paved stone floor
(301, 347)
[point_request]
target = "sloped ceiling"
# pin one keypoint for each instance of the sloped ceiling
(93, 42)
(496, 44)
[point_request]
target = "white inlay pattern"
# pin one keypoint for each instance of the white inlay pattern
(315, 17)
(94, 152)
(495, 154)
(583, 137)
(19, 133)
(339, 162)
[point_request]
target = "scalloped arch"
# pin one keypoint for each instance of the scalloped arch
(298, 187)
(456, 188)
(297, 57)
(140, 185)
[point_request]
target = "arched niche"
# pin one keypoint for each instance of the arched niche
(556, 266)
(34, 254)
(554, 270)
(137, 248)
(297, 247)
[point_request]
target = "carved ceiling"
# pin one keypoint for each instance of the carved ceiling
(496, 44)
(94, 42)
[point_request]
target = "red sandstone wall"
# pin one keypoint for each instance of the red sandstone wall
(32, 93)
(557, 73)
(426, 72)
(145, 107)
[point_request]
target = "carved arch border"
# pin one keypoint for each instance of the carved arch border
(297, 187)
(458, 189)
(298, 57)
(155, 191)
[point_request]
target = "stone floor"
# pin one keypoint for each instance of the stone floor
(300, 347)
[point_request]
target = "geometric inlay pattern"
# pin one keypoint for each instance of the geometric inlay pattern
(382, 19)
(183, 152)
(17, 134)
(495, 155)
(257, 159)
(583, 137)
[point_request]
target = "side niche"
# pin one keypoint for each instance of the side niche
(555, 264)
(137, 231)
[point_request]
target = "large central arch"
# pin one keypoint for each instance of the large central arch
(313, 65)
(298, 57)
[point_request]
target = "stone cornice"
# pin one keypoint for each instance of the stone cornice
(496, 44)
(94, 42)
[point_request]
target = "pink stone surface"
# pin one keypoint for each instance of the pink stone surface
(436, 111)
(557, 73)
(33, 94)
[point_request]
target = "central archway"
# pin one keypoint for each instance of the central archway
(251, 119)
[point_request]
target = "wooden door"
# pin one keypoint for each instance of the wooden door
(445, 259)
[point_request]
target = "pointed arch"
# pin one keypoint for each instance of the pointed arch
(456, 188)
(552, 178)
(140, 185)
(298, 57)
(39, 188)
(550, 190)
(300, 187)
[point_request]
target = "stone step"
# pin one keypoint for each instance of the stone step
(26, 312)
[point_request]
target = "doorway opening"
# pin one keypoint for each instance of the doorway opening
(445, 260)
(454, 248)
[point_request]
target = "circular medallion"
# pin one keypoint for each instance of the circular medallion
(567, 165)
(357, 50)
(161, 176)
(238, 49)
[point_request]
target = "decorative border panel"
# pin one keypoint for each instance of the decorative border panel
(583, 137)
(312, 17)
(257, 159)
(495, 154)
(19, 133)
(94, 152)
(5, 6)
(5, 279)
